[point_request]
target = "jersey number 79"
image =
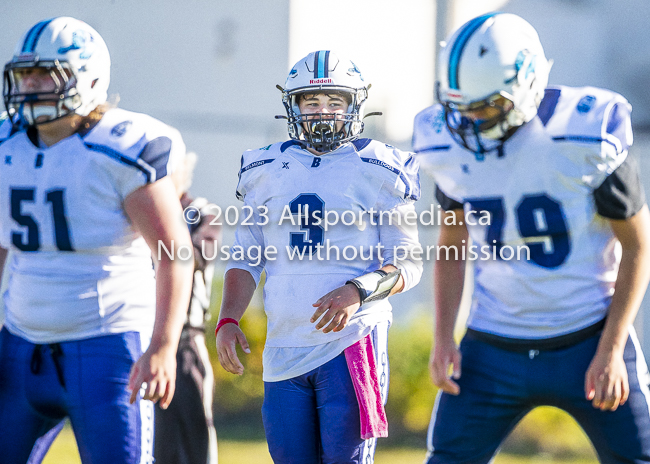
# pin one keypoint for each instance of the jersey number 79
(540, 220)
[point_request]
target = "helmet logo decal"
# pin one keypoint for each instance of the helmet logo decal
(81, 40)
(293, 72)
(33, 35)
(321, 64)
(459, 45)
(320, 81)
(519, 64)
(354, 70)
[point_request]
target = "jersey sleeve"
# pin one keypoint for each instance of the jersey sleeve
(399, 174)
(621, 195)
(158, 159)
(143, 149)
(610, 171)
(252, 162)
(397, 171)
(248, 247)
(428, 130)
(592, 127)
(249, 239)
(617, 138)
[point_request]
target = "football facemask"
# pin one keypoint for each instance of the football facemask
(57, 98)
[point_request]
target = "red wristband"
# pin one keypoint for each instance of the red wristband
(224, 321)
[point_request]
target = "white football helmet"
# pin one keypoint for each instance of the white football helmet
(78, 62)
(492, 65)
(324, 72)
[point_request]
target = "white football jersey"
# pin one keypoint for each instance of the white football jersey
(539, 194)
(79, 269)
(278, 182)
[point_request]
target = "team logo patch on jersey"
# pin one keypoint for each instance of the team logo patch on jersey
(586, 103)
(121, 128)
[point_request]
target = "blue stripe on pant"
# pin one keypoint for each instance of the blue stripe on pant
(95, 371)
(499, 387)
(314, 418)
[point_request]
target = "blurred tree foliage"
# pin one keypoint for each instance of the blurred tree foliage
(238, 399)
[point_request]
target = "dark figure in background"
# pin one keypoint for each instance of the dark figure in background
(185, 431)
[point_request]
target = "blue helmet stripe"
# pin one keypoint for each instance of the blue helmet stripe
(326, 66)
(322, 70)
(33, 35)
(459, 45)
(316, 65)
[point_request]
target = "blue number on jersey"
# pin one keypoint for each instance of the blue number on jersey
(541, 216)
(310, 207)
(538, 216)
(33, 243)
(493, 206)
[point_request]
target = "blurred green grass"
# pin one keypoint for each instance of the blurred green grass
(64, 451)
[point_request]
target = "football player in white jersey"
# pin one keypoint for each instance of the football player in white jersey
(325, 362)
(562, 264)
(89, 333)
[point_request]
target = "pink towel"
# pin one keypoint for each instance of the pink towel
(363, 370)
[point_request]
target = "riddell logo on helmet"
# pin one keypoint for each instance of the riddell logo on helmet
(320, 81)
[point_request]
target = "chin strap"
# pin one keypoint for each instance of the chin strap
(376, 285)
